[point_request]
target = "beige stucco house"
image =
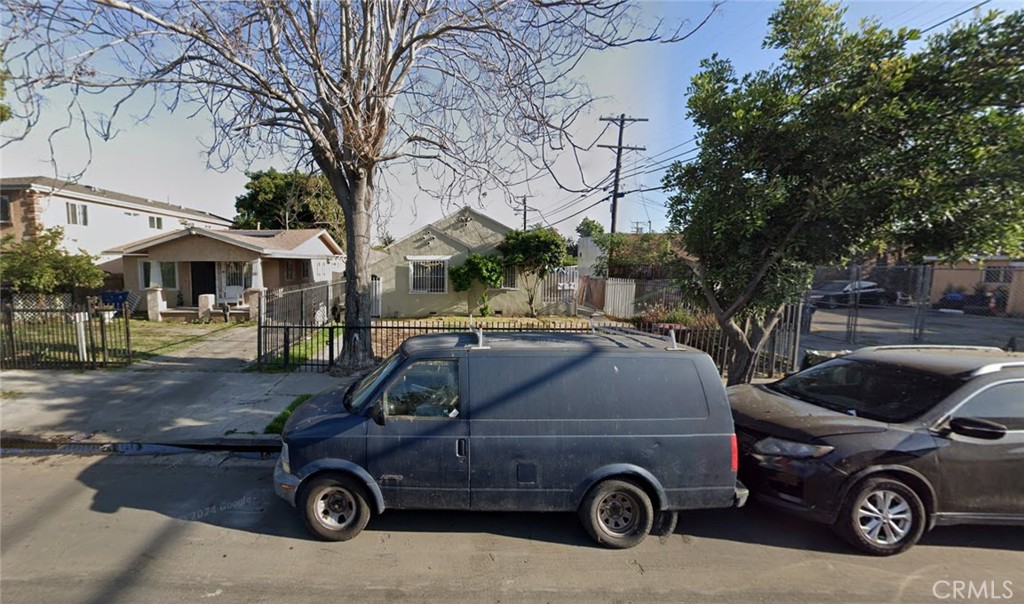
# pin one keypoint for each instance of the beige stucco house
(1004, 274)
(413, 272)
(193, 261)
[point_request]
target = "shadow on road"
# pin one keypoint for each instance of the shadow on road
(763, 525)
(238, 495)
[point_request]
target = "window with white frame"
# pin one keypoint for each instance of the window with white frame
(999, 274)
(289, 271)
(158, 274)
(77, 213)
(508, 279)
(156, 222)
(428, 274)
(238, 273)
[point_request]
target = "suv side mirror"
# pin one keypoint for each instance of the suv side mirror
(377, 413)
(977, 428)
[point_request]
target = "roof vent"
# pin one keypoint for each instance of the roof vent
(673, 344)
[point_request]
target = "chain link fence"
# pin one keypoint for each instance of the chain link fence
(868, 305)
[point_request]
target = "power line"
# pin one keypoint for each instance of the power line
(959, 14)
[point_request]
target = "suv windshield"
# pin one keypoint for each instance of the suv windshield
(356, 398)
(882, 392)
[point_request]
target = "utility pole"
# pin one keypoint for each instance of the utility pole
(622, 120)
(525, 209)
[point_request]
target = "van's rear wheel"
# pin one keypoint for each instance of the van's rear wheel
(665, 522)
(617, 514)
(334, 507)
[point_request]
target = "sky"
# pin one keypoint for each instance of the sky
(163, 159)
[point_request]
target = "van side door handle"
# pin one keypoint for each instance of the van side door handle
(460, 447)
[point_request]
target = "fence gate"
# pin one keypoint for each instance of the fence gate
(47, 332)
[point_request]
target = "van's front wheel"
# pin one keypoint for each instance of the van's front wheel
(334, 507)
(617, 514)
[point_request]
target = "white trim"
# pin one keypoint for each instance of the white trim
(427, 258)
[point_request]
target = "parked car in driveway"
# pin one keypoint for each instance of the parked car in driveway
(626, 429)
(832, 294)
(887, 442)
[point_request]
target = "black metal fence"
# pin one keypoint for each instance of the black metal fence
(316, 348)
(44, 336)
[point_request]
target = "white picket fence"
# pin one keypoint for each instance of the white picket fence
(619, 298)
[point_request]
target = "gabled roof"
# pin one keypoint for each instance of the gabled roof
(274, 243)
(465, 212)
(45, 184)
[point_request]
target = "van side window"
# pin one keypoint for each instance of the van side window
(424, 389)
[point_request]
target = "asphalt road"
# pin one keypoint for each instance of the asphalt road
(206, 528)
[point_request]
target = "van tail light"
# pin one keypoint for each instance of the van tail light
(735, 464)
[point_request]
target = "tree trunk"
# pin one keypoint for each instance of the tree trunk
(354, 191)
(745, 344)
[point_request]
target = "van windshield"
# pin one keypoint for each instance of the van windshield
(357, 397)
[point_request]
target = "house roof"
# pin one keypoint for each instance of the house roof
(275, 243)
(45, 184)
(435, 226)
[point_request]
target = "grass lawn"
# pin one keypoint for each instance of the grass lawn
(277, 424)
(153, 338)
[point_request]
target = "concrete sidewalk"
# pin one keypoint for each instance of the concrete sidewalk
(198, 393)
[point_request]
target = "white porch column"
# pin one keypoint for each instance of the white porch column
(257, 273)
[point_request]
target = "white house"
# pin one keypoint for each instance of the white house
(93, 219)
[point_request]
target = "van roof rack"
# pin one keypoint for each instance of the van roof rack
(479, 340)
(629, 331)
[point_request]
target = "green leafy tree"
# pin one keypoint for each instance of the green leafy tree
(5, 110)
(487, 270)
(589, 228)
(289, 200)
(535, 253)
(632, 256)
(42, 265)
(849, 141)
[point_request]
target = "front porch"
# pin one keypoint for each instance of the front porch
(192, 314)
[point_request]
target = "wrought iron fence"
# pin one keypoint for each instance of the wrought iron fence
(38, 335)
(316, 348)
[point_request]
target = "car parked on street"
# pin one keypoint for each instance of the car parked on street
(887, 442)
(833, 294)
(624, 428)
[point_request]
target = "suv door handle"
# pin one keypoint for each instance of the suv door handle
(460, 447)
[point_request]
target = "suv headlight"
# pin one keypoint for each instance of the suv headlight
(285, 463)
(788, 448)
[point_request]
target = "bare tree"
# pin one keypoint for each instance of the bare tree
(471, 96)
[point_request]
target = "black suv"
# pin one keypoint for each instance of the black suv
(887, 442)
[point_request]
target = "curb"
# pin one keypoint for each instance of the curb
(259, 447)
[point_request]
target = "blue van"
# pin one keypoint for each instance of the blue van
(624, 428)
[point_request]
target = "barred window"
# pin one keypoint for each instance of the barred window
(508, 280)
(238, 273)
(428, 276)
